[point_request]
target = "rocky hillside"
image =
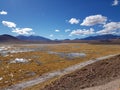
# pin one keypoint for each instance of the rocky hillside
(96, 74)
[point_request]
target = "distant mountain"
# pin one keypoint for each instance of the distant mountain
(102, 37)
(32, 38)
(8, 38)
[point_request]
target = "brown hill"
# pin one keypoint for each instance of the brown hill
(8, 38)
(92, 75)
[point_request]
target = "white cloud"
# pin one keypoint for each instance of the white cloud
(23, 31)
(67, 30)
(115, 3)
(51, 35)
(9, 24)
(20, 31)
(3, 13)
(57, 30)
(110, 28)
(74, 21)
(93, 20)
(82, 32)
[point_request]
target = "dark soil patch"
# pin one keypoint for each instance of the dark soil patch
(95, 74)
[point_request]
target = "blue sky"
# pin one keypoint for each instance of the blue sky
(60, 19)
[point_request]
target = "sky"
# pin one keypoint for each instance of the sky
(60, 19)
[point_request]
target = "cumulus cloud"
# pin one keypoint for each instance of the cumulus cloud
(115, 3)
(20, 31)
(9, 24)
(23, 31)
(51, 35)
(3, 13)
(82, 32)
(93, 20)
(57, 30)
(67, 30)
(74, 21)
(110, 28)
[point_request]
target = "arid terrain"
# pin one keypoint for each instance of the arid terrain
(94, 75)
(23, 62)
(59, 45)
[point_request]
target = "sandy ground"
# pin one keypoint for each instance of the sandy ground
(53, 74)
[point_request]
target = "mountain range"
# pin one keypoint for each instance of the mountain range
(39, 39)
(32, 38)
(102, 37)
